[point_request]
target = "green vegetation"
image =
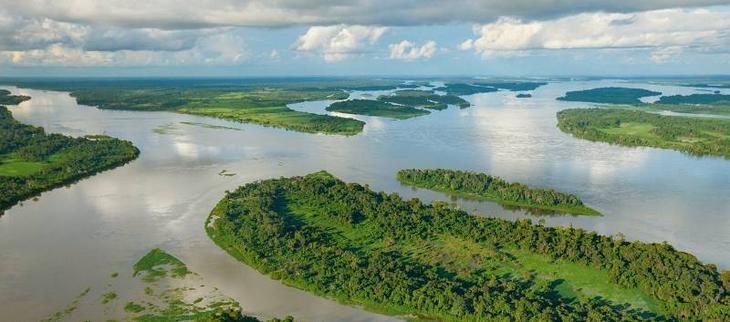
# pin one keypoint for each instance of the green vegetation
(424, 99)
(433, 262)
(465, 89)
(108, 297)
(157, 264)
(375, 108)
(484, 186)
(609, 95)
(695, 136)
(7, 99)
(696, 99)
(475, 87)
(513, 86)
(32, 161)
(690, 109)
(211, 126)
(178, 296)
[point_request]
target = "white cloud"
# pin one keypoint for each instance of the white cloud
(172, 14)
(408, 51)
(662, 55)
(220, 49)
(336, 43)
(680, 28)
(274, 55)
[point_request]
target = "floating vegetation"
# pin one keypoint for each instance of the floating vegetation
(211, 126)
(171, 293)
(225, 173)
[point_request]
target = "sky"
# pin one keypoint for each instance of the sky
(230, 38)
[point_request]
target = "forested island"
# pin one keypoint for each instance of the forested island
(166, 291)
(696, 136)
(609, 95)
(424, 99)
(433, 262)
(32, 161)
(483, 186)
(475, 87)
(7, 99)
(711, 99)
(262, 102)
(523, 95)
(376, 108)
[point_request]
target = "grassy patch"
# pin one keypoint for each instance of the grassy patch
(157, 264)
(20, 168)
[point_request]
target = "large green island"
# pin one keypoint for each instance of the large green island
(483, 186)
(32, 161)
(433, 262)
(697, 136)
(376, 108)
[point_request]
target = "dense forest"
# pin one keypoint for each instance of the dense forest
(481, 185)
(696, 136)
(695, 99)
(375, 108)
(7, 99)
(424, 99)
(32, 161)
(469, 88)
(609, 95)
(403, 257)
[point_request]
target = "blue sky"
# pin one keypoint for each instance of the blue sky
(330, 37)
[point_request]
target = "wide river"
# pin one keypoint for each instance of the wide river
(74, 237)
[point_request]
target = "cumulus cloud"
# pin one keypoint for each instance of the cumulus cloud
(336, 43)
(408, 51)
(171, 14)
(670, 28)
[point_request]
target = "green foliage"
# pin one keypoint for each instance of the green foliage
(469, 88)
(609, 95)
(480, 185)
(7, 99)
(695, 99)
(375, 108)
(695, 136)
(425, 99)
(715, 109)
(157, 263)
(32, 161)
(347, 242)
(108, 297)
(133, 307)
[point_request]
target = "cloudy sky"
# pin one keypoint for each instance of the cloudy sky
(363, 37)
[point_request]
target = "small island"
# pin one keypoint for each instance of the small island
(476, 87)
(424, 99)
(609, 95)
(7, 99)
(696, 136)
(406, 258)
(32, 161)
(483, 186)
(376, 108)
(164, 289)
(523, 95)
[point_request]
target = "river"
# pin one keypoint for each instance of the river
(74, 237)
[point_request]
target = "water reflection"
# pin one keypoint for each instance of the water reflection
(74, 237)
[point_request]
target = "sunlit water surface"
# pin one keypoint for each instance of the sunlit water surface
(74, 237)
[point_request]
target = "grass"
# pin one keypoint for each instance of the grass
(108, 297)
(634, 129)
(157, 264)
(20, 168)
(283, 117)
